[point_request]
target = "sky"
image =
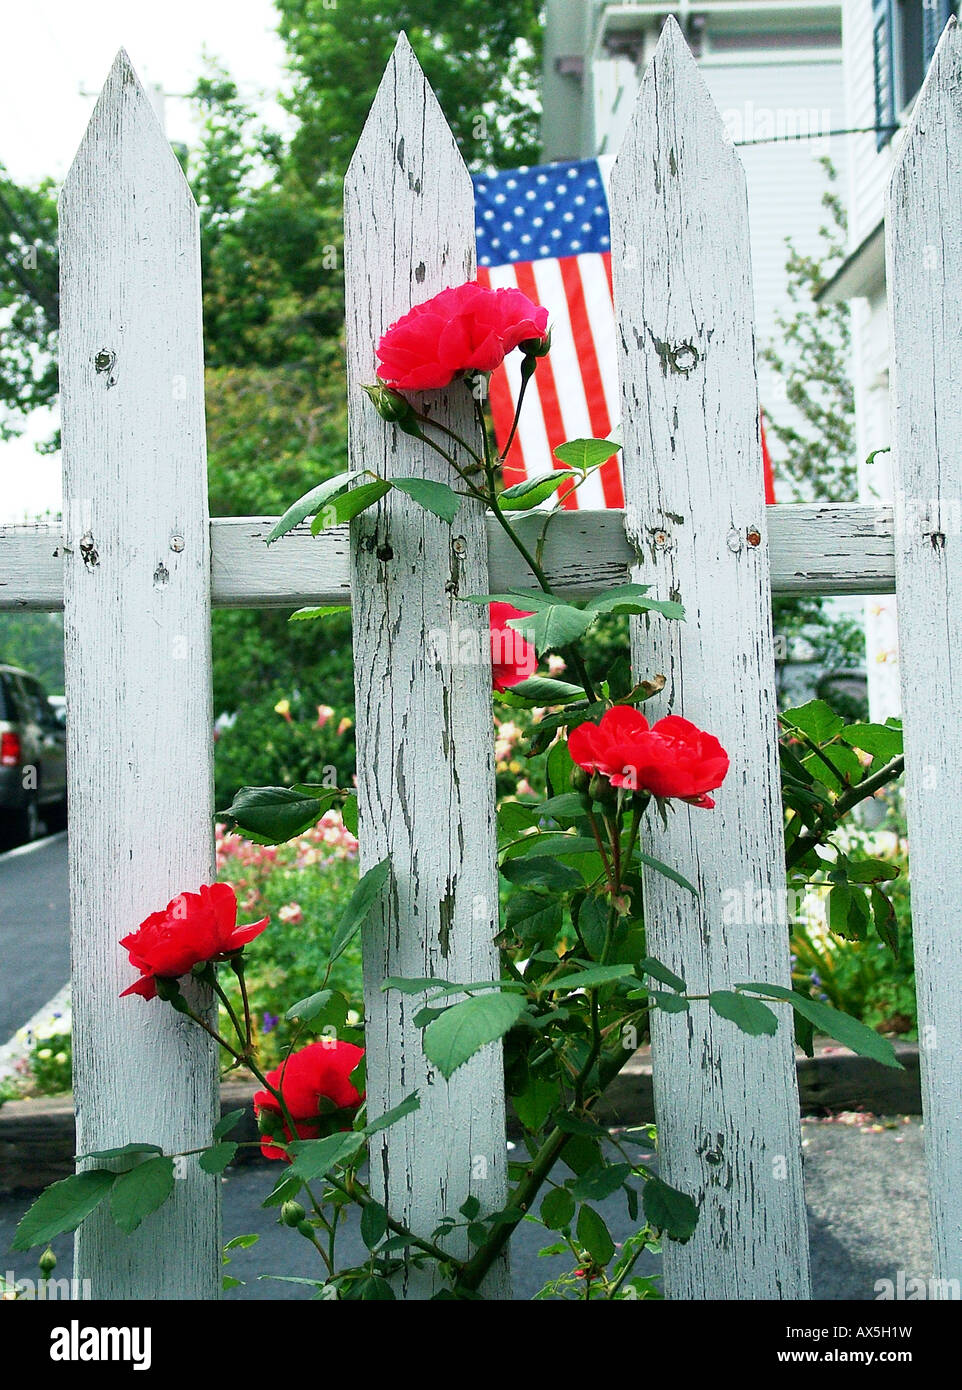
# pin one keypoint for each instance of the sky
(57, 54)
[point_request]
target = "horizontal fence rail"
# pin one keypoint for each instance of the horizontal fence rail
(816, 548)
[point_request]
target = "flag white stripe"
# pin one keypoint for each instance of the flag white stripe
(532, 432)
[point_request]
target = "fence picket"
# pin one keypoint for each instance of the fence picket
(924, 233)
(137, 658)
(727, 1104)
(424, 738)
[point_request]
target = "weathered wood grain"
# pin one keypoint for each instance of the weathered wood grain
(924, 250)
(816, 548)
(727, 1104)
(136, 573)
(425, 766)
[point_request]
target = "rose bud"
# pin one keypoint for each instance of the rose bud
(292, 1213)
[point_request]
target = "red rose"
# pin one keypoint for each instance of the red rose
(193, 927)
(467, 328)
(672, 758)
(319, 1071)
(513, 658)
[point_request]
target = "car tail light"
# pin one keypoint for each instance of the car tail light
(9, 750)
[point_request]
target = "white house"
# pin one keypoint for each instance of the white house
(774, 70)
(887, 46)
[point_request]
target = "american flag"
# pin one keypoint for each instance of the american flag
(545, 230)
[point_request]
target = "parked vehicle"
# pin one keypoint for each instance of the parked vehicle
(33, 761)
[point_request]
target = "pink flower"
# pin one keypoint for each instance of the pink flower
(465, 328)
(291, 914)
(324, 713)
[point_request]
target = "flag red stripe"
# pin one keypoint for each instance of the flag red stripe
(584, 341)
(547, 390)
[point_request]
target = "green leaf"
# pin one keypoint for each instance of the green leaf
(631, 598)
(845, 1030)
(586, 453)
(661, 973)
(406, 984)
(529, 493)
(470, 1208)
(284, 1190)
(564, 806)
(881, 740)
(315, 1157)
(666, 871)
(347, 505)
(557, 843)
(228, 1122)
(542, 872)
(871, 871)
(125, 1151)
(542, 690)
(242, 1242)
(556, 626)
(62, 1207)
(668, 1003)
(883, 912)
(533, 917)
(373, 1224)
(557, 1209)
(140, 1192)
(349, 814)
(307, 615)
(536, 1101)
(437, 498)
(525, 599)
(310, 503)
(848, 912)
(817, 719)
(559, 765)
(216, 1159)
(308, 1009)
(593, 1236)
(592, 977)
(750, 1015)
(274, 815)
(397, 1112)
(669, 1210)
(373, 1289)
(363, 901)
(599, 1182)
(463, 1029)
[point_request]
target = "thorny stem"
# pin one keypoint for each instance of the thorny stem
(841, 808)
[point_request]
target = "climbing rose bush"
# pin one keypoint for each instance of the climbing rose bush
(467, 328)
(193, 929)
(577, 987)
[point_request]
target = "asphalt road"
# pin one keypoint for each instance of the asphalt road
(34, 929)
(864, 1183)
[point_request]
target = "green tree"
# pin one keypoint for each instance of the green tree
(273, 300)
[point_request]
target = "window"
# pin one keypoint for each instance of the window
(905, 34)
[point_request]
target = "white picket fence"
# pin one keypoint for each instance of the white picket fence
(138, 566)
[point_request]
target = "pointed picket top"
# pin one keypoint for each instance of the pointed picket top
(675, 123)
(407, 173)
(726, 1106)
(124, 112)
(937, 115)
